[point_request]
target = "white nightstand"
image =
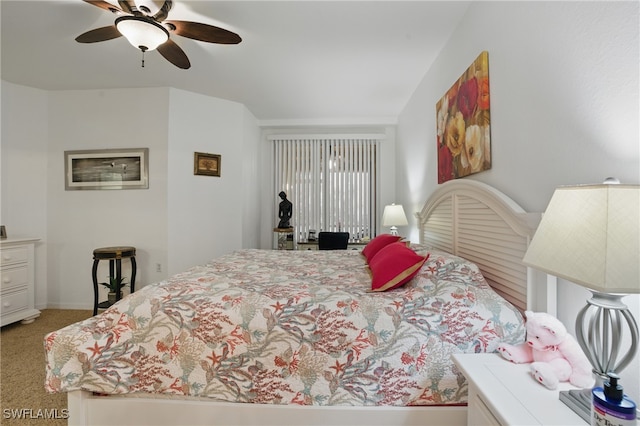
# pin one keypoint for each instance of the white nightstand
(504, 393)
(17, 281)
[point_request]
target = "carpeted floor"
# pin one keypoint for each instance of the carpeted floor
(22, 396)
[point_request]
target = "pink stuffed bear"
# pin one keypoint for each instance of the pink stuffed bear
(555, 355)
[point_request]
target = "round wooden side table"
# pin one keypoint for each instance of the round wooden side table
(114, 255)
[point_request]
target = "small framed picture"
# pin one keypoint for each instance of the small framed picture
(3, 232)
(206, 164)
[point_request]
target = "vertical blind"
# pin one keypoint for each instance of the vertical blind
(331, 182)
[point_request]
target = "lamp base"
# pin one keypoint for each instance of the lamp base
(579, 400)
(394, 230)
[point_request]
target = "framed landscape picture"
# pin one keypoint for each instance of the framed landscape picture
(107, 169)
(206, 164)
(463, 118)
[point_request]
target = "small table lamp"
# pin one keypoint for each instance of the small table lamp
(590, 235)
(394, 216)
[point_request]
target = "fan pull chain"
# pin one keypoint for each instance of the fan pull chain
(142, 58)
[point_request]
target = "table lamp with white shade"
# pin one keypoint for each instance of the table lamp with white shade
(590, 235)
(393, 216)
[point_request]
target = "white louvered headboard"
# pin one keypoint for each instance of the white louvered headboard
(477, 222)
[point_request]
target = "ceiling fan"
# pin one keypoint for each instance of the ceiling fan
(148, 31)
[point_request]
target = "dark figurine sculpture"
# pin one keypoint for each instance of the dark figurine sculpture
(285, 211)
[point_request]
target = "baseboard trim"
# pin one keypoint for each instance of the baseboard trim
(77, 306)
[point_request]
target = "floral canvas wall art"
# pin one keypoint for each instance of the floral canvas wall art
(464, 124)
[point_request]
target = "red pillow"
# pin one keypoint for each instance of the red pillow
(393, 266)
(378, 243)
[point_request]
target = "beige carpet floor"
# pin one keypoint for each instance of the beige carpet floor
(23, 400)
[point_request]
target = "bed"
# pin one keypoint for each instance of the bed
(276, 337)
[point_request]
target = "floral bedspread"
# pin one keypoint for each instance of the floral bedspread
(288, 327)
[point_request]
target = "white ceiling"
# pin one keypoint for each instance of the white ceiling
(299, 61)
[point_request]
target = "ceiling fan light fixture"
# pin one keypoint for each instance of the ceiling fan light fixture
(143, 33)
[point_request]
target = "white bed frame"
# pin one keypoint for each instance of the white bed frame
(477, 222)
(463, 217)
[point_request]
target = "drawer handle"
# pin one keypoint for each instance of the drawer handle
(6, 257)
(6, 304)
(6, 280)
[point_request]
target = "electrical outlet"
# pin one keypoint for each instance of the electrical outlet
(158, 267)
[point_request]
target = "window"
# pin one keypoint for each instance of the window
(332, 183)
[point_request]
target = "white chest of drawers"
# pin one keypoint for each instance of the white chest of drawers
(17, 281)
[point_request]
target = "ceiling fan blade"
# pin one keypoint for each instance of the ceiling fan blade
(174, 54)
(99, 34)
(104, 5)
(204, 32)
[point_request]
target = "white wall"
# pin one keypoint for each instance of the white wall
(181, 220)
(80, 221)
(23, 208)
(206, 213)
(251, 173)
(564, 109)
